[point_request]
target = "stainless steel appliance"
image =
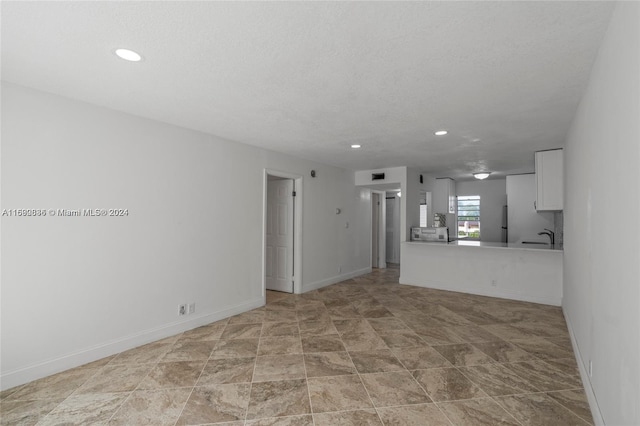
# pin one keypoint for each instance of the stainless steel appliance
(440, 234)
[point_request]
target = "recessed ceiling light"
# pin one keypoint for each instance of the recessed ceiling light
(356, 146)
(128, 55)
(481, 176)
(441, 132)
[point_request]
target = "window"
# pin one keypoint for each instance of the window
(469, 217)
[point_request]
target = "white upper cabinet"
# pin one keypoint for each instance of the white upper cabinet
(549, 180)
(444, 196)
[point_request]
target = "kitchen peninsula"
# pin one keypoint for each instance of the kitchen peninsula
(531, 273)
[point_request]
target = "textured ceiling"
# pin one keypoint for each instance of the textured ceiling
(311, 78)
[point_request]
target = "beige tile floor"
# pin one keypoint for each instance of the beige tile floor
(366, 351)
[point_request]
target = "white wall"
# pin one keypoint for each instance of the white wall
(493, 195)
(524, 221)
(411, 195)
(395, 177)
(392, 222)
(428, 186)
(76, 289)
(602, 252)
(408, 181)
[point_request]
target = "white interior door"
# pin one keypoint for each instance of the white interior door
(279, 238)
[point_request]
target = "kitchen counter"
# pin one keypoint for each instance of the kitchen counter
(488, 244)
(510, 271)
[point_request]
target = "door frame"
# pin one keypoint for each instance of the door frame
(397, 236)
(382, 229)
(297, 228)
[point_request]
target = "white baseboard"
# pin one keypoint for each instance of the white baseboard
(491, 292)
(94, 353)
(598, 420)
(323, 283)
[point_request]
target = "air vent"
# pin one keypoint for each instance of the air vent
(377, 176)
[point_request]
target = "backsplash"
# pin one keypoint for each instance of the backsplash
(558, 220)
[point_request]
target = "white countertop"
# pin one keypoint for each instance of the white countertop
(487, 244)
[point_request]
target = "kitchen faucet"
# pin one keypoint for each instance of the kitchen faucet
(551, 234)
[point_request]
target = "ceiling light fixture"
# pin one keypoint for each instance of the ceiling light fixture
(128, 55)
(482, 175)
(355, 146)
(441, 133)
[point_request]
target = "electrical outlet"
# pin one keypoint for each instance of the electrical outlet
(182, 310)
(192, 308)
(494, 283)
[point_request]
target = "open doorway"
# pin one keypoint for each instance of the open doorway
(281, 257)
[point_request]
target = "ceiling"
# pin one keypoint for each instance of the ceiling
(311, 78)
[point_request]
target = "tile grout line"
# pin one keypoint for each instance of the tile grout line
(505, 409)
(99, 370)
(443, 413)
(493, 397)
(476, 384)
(200, 375)
(544, 393)
(306, 374)
(67, 397)
(564, 406)
(360, 376)
(255, 363)
(489, 395)
(147, 375)
(437, 403)
(433, 401)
